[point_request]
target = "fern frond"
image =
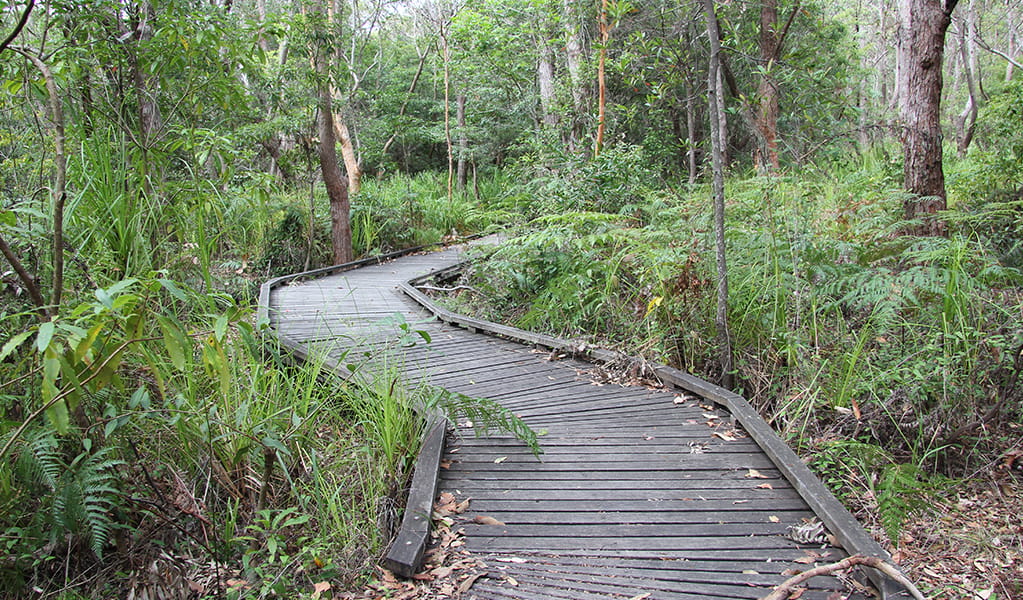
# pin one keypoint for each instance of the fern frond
(487, 416)
(85, 497)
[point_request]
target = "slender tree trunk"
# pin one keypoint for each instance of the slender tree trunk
(605, 35)
(574, 62)
(767, 90)
(966, 121)
(717, 111)
(923, 24)
(1013, 17)
(691, 131)
(545, 82)
(463, 141)
(408, 97)
(348, 155)
(59, 191)
(150, 120)
(264, 45)
(446, 53)
(341, 132)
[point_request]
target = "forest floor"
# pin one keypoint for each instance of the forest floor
(970, 544)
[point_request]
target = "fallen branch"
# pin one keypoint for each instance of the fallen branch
(788, 586)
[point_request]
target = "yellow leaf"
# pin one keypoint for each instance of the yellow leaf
(653, 304)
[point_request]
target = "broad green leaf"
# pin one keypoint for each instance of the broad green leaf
(120, 286)
(7, 218)
(104, 298)
(270, 442)
(175, 341)
(173, 289)
(46, 331)
(140, 399)
(84, 346)
(220, 327)
(13, 343)
(59, 417)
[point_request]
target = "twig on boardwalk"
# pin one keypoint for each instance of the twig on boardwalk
(449, 289)
(787, 587)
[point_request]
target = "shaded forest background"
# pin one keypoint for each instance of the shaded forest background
(159, 159)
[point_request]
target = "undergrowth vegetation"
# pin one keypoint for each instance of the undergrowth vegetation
(152, 441)
(892, 361)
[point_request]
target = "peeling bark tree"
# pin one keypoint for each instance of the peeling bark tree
(326, 150)
(922, 28)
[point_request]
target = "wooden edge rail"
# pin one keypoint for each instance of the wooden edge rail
(842, 524)
(406, 553)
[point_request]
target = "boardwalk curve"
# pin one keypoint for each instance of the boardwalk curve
(679, 492)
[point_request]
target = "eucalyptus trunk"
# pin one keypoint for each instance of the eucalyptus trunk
(922, 28)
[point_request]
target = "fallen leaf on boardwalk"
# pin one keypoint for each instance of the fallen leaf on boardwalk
(319, 588)
(440, 572)
(740, 501)
(755, 474)
(467, 584)
(728, 437)
(805, 560)
(446, 498)
(774, 519)
(711, 416)
(445, 464)
(765, 486)
(510, 559)
(750, 572)
(796, 593)
(680, 399)
(641, 596)
(510, 580)
(485, 520)
(500, 460)
(790, 572)
(462, 506)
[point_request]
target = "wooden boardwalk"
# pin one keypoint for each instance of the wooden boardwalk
(638, 490)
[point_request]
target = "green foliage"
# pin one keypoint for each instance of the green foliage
(79, 495)
(991, 179)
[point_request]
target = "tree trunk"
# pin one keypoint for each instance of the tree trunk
(463, 141)
(446, 54)
(966, 121)
(922, 28)
(574, 62)
(766, 158)
(150, 120)
(717, 116)
(545, 82)
(691, 131)
(59, 192)
(605, 34)
(335, 182)
(348, 155)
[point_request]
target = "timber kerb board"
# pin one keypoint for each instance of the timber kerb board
(406, 552)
